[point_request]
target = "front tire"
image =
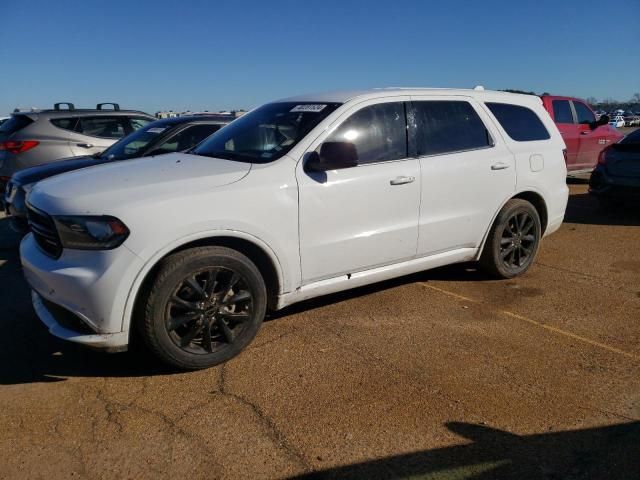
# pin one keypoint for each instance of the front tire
(205, 305)
(513, 240)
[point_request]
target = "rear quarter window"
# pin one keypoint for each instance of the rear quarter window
(521, 123)
(65, 123)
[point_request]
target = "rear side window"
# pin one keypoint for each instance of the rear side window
(15, 123)
(379, 133)
(584, 113)
(521, 123)
(562, 111)
(448, 126)
(65, 123)
(105, 127)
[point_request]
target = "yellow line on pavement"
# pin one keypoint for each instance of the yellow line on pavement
(539, 324)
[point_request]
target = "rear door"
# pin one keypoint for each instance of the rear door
(565, 121)
(95, 133)
(466, 172)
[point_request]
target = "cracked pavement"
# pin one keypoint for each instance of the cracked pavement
(444, 374)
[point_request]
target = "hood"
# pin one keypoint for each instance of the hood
(119, 185)
(40, 172)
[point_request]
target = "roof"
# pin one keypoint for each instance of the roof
(345, 96)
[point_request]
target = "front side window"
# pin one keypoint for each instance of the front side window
(584, 113)
(562, 111)
(378, 132)
(266, 133)
(104, 127)
(521, 123)
(448, 126)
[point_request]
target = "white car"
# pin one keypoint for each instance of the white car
(617, 121)
(298, 198)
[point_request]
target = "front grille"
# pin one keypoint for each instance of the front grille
(44, 232)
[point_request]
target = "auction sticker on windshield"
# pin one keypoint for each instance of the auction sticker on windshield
(312, 108)
(157, 130)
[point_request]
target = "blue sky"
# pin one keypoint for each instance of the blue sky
(190, 54)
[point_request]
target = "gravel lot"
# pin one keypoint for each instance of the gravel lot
(445, 374)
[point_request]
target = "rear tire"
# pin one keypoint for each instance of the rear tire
(513, 240)
(205, 305)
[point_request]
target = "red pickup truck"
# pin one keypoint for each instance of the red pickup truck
(585, 136)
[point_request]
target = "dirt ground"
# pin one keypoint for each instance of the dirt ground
(445, 374)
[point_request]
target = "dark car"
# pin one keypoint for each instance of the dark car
(617, 177)
(156, 138)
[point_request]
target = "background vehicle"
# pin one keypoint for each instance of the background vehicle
(156, 138)
(295, 199)
(43, 136)
(618, 121)
(617, 176)
(3, 119)
(584, 135)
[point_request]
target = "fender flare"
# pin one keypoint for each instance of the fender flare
(134, 290)
(495, 215)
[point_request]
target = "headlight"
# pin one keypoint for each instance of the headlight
(28, 187)
(90, 233)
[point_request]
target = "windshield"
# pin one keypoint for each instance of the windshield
(133, 145)
(266, 133)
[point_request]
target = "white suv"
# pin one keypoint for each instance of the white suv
(299, 198)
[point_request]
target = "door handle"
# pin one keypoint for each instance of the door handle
(85, 145)
(401, 180)
(499, 166)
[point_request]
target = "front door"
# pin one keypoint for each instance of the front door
(592, 140)
(361, 217)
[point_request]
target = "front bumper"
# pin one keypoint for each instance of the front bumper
(92, 285)
(112, 342)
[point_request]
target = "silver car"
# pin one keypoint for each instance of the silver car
(43, 136)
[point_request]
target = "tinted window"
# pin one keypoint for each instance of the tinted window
(520, 123)
(562, 111)
(15, 123)
(379, 133)
(137, 123)
(105, 127)
(584, 113)
(65, 123)
(266, 133)
(185, 139)
(448, 126)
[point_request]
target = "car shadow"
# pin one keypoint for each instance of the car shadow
(610, 452)
(585, 209)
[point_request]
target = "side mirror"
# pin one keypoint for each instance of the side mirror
(333, 156)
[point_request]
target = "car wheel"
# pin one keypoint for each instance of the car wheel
(204, 306)
(513, 240)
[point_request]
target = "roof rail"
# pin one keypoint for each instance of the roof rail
(115, 105)
(70, 106)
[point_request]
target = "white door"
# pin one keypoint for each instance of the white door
(467, 172)
(364, 216)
